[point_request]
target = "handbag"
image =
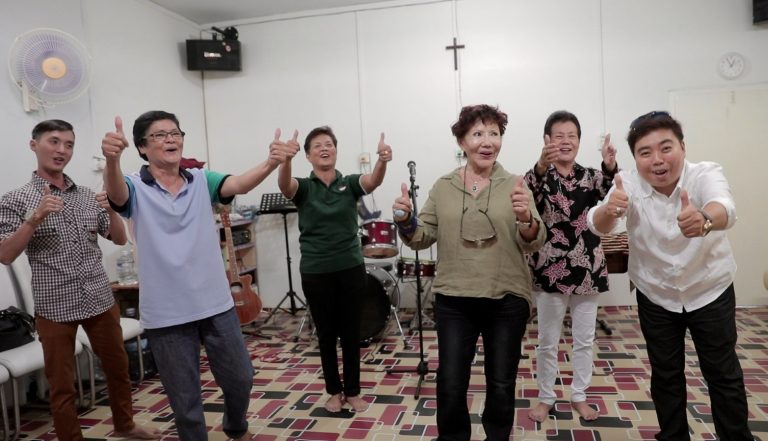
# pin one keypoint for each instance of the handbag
(17, 328)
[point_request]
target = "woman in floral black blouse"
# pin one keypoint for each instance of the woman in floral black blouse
(569, 270)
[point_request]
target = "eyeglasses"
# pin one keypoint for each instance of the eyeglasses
(656, 114)
(481, 229)
(162, 136)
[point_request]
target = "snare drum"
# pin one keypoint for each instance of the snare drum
(378, 296)
(379, 239)
(406, 267)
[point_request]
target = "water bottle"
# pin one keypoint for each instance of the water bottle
(126, 274)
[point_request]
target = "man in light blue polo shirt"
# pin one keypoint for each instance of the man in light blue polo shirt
(185, 299)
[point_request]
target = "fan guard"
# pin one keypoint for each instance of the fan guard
(50, 66)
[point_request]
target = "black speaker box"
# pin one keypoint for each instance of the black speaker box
(759, 11)
(213, 55)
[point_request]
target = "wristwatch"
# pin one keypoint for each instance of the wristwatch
(524, 225)
(707, 227)
(29, 217)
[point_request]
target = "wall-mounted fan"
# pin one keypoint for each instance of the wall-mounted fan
(50, 66)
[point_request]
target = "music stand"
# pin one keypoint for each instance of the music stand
(276, 203)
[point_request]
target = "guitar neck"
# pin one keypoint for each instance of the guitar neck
(231, 257)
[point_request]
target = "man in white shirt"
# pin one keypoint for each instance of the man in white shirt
(682, 264)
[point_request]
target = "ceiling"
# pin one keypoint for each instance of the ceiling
(207, 11)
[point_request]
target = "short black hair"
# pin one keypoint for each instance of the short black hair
(317, 131)
(650, 122)
(51, 125)
(561, 116)
(142, 123)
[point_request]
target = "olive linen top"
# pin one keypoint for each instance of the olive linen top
(491, 269)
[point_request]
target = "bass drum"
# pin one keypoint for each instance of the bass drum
(376, 302)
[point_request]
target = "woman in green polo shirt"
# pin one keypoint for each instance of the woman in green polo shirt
(332, 267)
(482, 220)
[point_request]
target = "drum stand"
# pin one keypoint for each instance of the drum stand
(393, 309)
(425, 296)
(423, 367)
(307, 316)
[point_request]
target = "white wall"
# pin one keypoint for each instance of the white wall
(607, 61)
(137, 66)
(382, 69)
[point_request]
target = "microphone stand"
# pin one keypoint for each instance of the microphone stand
(423, 367)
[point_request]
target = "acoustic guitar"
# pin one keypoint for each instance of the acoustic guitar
(247, 303)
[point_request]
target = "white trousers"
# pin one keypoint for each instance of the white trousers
(551, 311)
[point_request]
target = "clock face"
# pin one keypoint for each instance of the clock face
(731, 65)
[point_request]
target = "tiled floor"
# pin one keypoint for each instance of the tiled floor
(288, 391)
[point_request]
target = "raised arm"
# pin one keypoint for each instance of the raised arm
(372, 180)
(608, 152)
(279, 151)
(288, 185)
(112, 146)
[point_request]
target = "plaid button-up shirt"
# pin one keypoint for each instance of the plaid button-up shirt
(69, 282)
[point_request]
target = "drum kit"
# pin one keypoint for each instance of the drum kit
(382, 294)
(381, 297)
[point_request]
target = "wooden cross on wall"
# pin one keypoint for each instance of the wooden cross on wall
(455, 48)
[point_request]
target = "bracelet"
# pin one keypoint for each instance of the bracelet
(408, 226)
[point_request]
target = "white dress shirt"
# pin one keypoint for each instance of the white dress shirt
(673, 271)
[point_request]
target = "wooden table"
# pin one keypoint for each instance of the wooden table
(126, 296)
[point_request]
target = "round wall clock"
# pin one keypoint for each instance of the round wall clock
(731, 65)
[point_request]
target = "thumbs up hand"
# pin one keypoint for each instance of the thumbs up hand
(101, 199)
(402, 208)
(113, 143)
(293, 145)
(618, 201)
(384, 150)
(608, 151)
(690, 220)
(49, 203)
(281, 152)
(549, 154)
(521, 199)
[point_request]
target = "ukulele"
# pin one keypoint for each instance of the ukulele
(247, 303)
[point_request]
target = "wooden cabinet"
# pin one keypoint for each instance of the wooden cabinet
(244, 240)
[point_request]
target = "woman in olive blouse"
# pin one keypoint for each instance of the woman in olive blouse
(482, 220)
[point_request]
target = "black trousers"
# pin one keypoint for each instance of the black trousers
(460, 322)
(713, 331)
(335, 301)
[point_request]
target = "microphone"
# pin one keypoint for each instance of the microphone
(412, 168)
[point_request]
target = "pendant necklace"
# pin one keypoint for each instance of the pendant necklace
(475, 182)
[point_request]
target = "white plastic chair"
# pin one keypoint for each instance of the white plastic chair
(4, 377)
(19, 361)
(131, 331)
(28, 358)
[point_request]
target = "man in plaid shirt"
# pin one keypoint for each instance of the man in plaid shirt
(57, 223)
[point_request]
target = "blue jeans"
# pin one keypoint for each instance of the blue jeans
(460, 322)
(713, 331)
(176, 350)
